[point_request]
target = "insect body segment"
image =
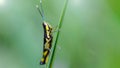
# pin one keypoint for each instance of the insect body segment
(47, 35)
(47, 42)
(44, 59)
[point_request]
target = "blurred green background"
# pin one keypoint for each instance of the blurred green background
(89, 37)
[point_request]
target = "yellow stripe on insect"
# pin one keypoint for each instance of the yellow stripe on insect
(45, 53)
(46, 59)
(42, 60)
(47, 28)
(48, 34)
(47, 46)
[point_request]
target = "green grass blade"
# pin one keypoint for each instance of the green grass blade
(56, 40)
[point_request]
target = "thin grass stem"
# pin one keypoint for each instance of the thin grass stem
(57, 35)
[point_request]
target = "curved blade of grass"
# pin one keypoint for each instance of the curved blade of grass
(56, 40)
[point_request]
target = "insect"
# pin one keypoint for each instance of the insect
(47, 38)
(47, 42)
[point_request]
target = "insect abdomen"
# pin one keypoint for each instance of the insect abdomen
(44, 59)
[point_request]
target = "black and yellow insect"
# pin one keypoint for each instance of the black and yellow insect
(47, 38)
(47, 42)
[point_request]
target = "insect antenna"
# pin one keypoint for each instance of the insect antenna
(41, 10)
